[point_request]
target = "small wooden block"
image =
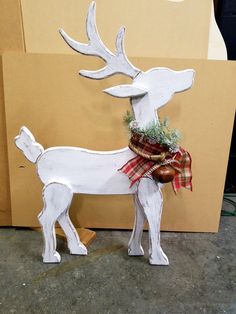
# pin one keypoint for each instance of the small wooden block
(86, 235)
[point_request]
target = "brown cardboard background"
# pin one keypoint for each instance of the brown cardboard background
(61, 108)
(11, 30)
(5, 206)
(11, 39)
(155, 28)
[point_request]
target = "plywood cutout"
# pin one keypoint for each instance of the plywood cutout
(65, 171)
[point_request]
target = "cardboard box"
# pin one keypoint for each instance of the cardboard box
(62, 108)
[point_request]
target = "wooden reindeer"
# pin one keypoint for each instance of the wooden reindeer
(68, 170)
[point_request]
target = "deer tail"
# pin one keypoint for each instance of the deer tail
(25, 141)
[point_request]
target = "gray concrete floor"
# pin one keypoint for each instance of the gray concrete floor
(201, 277)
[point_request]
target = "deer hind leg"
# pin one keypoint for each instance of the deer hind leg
(135, 246)
(73, 241)
(150, 197)
(57, 198)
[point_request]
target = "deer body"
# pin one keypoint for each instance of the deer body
(86, 171)
(68, 170)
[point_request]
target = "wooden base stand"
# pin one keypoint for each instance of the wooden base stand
(86, 236)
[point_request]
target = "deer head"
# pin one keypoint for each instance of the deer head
(149, 90)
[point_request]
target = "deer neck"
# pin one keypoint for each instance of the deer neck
(143, 112)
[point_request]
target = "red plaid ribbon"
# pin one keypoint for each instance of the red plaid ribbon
(138, 167)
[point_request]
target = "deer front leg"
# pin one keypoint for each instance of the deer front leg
(150, 198)
(57, 198)
(73, 241)
(135, 246)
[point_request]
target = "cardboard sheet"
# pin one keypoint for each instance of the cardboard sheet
(155, 28)
(11, 28)
(62, 108)
(5, 208)
(11, 39)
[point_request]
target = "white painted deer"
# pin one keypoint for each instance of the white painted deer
(68, 170)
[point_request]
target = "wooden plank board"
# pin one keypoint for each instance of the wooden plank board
(86, 236)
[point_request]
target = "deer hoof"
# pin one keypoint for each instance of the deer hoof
(78, 249)
(159, 262)
(159, 259)
(52, 258)
(135, 251)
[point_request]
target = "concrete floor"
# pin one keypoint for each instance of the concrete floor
(201, 277)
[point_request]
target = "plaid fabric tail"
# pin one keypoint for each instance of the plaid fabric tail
(184, 177)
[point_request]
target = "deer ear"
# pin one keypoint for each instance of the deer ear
(124, 91)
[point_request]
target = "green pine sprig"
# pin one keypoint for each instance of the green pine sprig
(157, 132)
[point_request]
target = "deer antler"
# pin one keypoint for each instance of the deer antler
(116, 63)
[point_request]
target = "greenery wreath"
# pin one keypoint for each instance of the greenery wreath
(155, 132)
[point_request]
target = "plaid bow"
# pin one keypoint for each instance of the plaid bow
(138, 167)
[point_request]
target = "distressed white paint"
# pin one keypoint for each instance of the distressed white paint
(26, 142)
(116, 63)
(150, 201)
(57, 198)
(160, 85)
(86, 171)
(124, 91)
(68, 170)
